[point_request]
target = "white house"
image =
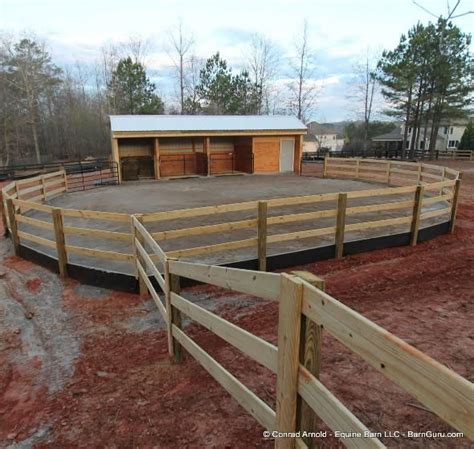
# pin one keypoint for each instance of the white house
(448, 138)
(326, 138)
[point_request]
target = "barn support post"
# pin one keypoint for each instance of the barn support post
(262, 235)
(454, 204)
(415, 223)
(289, 332)
(340, 224)
(156, 157)
(60, 241)
(310, 357)
(116, 158)
(13, 226)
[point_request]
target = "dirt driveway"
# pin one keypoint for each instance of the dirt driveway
(83, 367)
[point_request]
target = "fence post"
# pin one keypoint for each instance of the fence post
(289, 329)
(415, 223)
(262, 235)
(325, 167)
(13, 226)
(389, 166)
(454, 204)
(143, 290)
(310, 357)
(43, 187)
(4, 214)
(340, 224)
(174, 315)
(60, 241)
(65, 179)
(357, 168)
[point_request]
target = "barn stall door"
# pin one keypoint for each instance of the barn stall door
(287, 155)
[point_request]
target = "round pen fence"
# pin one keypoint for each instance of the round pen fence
(417, 202)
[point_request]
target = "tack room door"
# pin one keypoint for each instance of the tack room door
(287, 155)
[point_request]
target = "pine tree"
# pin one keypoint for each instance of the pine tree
(467, 139)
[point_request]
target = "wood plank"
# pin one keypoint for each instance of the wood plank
(60, 242)
(437, 199)
(305, 199)
(340, 225)
(204, 230)
(31, 205)
(280, 219)
(381, 192)
(31, 189)
(213, 248)
(261, 284)
(199, 211)
(301, 234)
(96, 215)
(153, 293)
(110, 255)
(256, 348)
(289, 328)
(333, 412)
(438, 185)
(150, 265)
(455, 202)
(36, 239)
(443, 391)
(435, 213)
(246, 398)
(415, 222)
(262, 236)
(34, 222)
(379, 207)
(149, 239)
(378, 223)
(86, 232)
(310, 358)
(13, 226)
(54, 192)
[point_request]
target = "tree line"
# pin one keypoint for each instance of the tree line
(51, 113)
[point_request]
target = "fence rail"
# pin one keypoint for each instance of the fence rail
(427, 185)
(304, 311)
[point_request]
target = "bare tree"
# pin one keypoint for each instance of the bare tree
(303, 89)
(363, 91)
(137, 48)
(180, 43)
(262, 65)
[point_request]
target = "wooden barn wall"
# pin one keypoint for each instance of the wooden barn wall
(135, 147)
(266, 153)
(222, 144)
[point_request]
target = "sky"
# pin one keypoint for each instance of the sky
(341, 32)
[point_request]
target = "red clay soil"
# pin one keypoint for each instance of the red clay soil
(124, 392)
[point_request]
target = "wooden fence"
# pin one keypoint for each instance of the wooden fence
(412, 186)
(304, 311)
(457, 155)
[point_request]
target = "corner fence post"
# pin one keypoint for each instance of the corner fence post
(310, 357)
(415, 222)
(340, 224)
(262, 235)
(454, 204)
(289, 329)
(60, 241)
(173, 285)
(13, 226)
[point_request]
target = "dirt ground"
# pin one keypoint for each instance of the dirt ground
(83, 367)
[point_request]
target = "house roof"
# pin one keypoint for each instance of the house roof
(319, 130)
(394, 135)
(202, 123)
(309, 138)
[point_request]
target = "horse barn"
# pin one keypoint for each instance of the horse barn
(164, 146)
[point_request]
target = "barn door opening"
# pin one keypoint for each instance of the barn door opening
(287, 155)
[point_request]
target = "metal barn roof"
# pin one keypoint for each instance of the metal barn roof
(180, 123)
